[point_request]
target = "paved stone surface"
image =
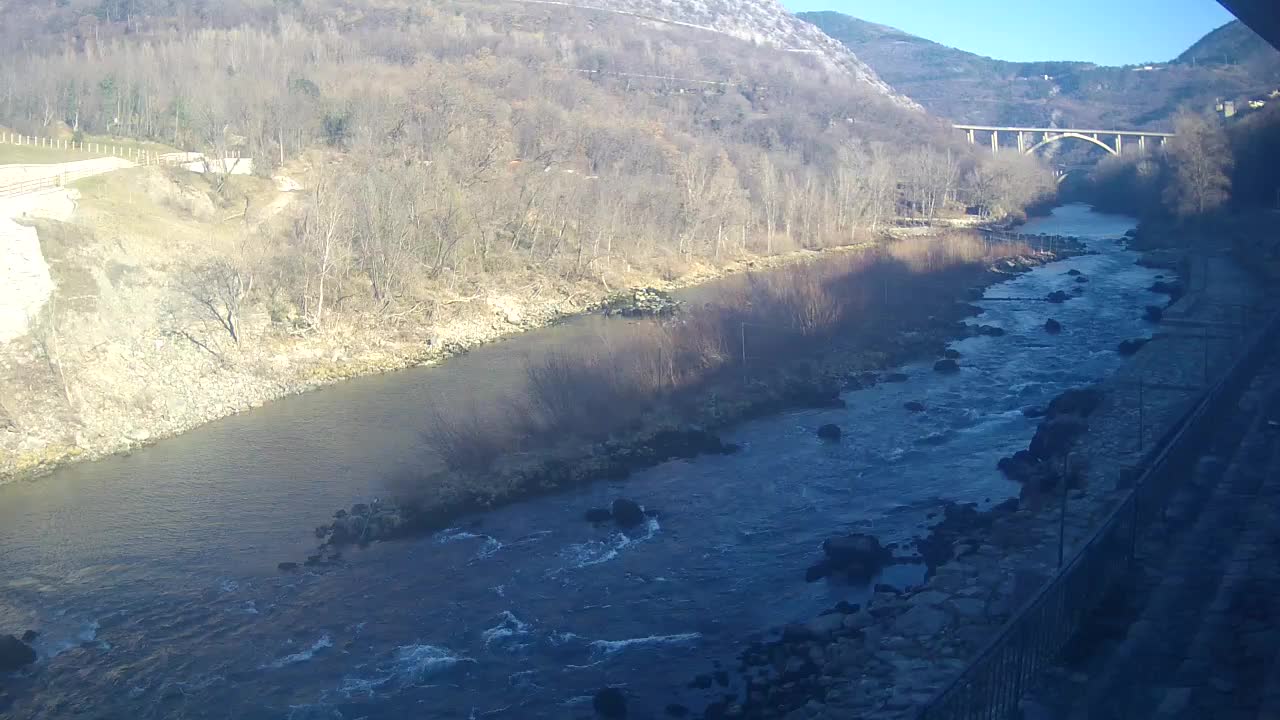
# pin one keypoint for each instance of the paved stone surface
(1196, 635)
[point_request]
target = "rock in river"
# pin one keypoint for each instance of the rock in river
(1131, 347)
(610, 703)
(1055, 436)
(1076, 401)
(1173, 289)
(947, 365)
(14, 654)
(830, 432)
(1058, 297)
(858, 556)
(1053, 327)
(627, 513)
(1153, 313)
(953, 354)
(914, 406)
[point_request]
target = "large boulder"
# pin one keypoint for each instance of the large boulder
(857, 556)
(1076, 401)
(1055, 436)
(627, 513)
(1171, 288)
(1053, 327)
(1132, 346)
(610, 703)
(1021, 467)
(14, 654)
(950, 353)
(989, 330)
(830, 433)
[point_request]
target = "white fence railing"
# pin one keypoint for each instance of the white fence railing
(26, 187)
(131, 153)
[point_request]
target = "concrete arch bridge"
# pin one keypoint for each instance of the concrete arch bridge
(1029, 139)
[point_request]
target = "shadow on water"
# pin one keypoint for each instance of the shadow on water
(151, 577)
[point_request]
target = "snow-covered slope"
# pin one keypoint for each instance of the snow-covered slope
(761, 21)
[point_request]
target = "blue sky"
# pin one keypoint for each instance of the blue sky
(1107, 32)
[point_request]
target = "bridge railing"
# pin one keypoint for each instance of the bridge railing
(993, 684)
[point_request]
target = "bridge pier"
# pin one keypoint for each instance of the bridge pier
(1022, 142)
(1142, 143)
(971, 137)
(1119, 144)
(995, 141)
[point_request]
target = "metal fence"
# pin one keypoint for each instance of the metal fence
(991, 687)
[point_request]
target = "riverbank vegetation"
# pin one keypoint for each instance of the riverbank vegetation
(1216, 184)
(786, 337)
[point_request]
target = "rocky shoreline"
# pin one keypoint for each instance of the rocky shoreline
(890, 657)
(840, 370)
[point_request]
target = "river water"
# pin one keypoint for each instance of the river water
(151, 578)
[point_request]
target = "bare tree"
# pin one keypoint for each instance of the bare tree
(1200, 159)
(218, 289)
(320, 238)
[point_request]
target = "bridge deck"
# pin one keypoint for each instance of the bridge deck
(1126, 133)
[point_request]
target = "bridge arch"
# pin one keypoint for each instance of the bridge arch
(1078, 136)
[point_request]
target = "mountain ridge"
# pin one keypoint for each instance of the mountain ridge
(764, 22)
(970, 88)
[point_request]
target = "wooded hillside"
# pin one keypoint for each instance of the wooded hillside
(464, 138)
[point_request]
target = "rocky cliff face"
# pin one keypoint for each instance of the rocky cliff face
(764, 22)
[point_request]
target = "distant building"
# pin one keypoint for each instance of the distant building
(1255, 104)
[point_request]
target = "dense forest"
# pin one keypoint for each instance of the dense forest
(451, 141)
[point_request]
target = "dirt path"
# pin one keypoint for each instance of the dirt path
(24, 274)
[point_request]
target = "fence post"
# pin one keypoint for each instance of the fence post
(1142, 409)
(1206, 356)
(1062, 513)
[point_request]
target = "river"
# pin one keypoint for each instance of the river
(152, 581)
